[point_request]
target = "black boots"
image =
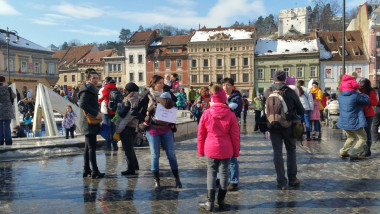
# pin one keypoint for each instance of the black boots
(209, 204)
(308, 136)
(178, 183)
(87, 172)
(367, 149)
(221, 195)
(156, 176)
(97, 174)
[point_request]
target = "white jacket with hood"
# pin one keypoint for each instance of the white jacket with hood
(307, 99)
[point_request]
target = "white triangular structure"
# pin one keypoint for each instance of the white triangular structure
(16, 121)
(47, 101)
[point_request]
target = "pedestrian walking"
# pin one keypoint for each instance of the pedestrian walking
(180, 101)
(159, 133)
(68, 122)
(369, 112)
(315, 114)
(218, 140)
(191, 96)
(281, 128)
(175, 82)
(376, 119)
(234, 101)
(245, 107)
(351, 118)
(203, 102)
(6, 105)
(88, 101)
(126, 126)
(258, 102)
(307, 101)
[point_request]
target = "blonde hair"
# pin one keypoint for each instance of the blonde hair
(203, 91)
(353, 74)
(215, 88)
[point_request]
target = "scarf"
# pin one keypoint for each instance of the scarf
(155, 95)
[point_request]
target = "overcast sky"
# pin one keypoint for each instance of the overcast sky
(48, 22)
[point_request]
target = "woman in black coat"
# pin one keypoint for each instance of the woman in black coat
(88, 101)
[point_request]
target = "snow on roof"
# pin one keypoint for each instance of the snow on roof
(156, 43)
(23, 43)
(236, 34)
(267, 46)
(323, 53)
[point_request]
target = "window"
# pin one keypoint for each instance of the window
(245, 61)
(233, 76)
(131, 77)
(156, 64)
(358, 71)
(130, 59)
(10, 67)
(114, 67)
(23, 67)
(219, 78)
(245, 77)
(174, 50)
(377, 41)
(272, 71)
(51, 68)
(193, 78)
(141, 78)
(109, 67)
(64, 78)
(37, 67)
(167, 63)
(179, 63)
(72, 78)
(119, 79)
(260, 74)
(193, 63)
(205, 63)
(140, 58)
(299, 72)
(206, 78)
(119, 67)
(219, 62)
(313, 72)
(233, 62)
(287, 71)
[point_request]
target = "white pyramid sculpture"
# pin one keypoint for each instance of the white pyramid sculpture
(47, 101)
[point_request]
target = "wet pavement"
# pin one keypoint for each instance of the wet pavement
(328, 184)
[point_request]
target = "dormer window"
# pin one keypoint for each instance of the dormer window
(356, 51)
(157, 51)
(286, 50)
(331, 38)
(305, 49)
(349, 38)
(173, 50)
(269, 51)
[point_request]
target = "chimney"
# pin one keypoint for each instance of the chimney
(157, 32)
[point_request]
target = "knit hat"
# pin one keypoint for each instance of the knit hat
(315, 82)
(131, 86)
(2, 79)
(166, 95)
(279, 76)
(220, 96)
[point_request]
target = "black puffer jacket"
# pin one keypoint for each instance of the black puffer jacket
(235, 97)
(88, 101)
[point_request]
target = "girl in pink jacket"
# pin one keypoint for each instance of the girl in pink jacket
(219, 140)
(349, 82)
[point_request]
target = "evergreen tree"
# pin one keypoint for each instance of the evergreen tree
(125, 34)
(64, 46)
(140, 28)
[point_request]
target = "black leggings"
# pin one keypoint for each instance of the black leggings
(90, 153)
(127, 139)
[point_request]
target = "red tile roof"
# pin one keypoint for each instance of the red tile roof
(142, 38)
(333, 42)
(59, 54)
(175, 40)
(73, 55)
(95, 56)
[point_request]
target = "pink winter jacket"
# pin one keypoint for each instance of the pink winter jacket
(348, 83)
(218, 133)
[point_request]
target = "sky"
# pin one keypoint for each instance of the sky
(48, 22)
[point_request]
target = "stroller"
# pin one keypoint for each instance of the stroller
(332, 120)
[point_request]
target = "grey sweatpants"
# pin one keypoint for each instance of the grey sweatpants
(212, 166)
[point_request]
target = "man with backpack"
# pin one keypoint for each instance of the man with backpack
(282, 107)
(109, 97)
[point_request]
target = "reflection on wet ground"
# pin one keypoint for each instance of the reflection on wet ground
(329, 184)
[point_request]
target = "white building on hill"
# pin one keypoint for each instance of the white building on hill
(293, 21)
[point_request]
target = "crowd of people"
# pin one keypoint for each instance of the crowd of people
(217, 110)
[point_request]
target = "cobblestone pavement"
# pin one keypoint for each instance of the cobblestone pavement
(329, 184)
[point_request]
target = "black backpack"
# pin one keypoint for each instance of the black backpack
(115, 98)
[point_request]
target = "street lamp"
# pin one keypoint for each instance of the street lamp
(8, 39)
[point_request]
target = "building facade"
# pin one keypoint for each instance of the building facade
(114, 66)
(298, 57)
(293, 21)
(168, 55)
(216, 53)
(330, 44)
(135, 57)
(29, 63)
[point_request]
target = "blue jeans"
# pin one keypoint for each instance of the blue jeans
(368, 128)
(107, 120)
(234, 171)
(5, 132)
(317, 125)
(306, 119)
(167, 141)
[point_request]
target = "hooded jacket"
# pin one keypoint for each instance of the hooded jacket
(307, 99)
(373, 101)
(6, 103)
(351, 115)
(88, 101)
(218, 133)
(104, 98)
(348, 83)
(235, 97)
(291, 99)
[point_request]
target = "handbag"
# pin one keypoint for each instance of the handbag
(297, 129)
(92, 120)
